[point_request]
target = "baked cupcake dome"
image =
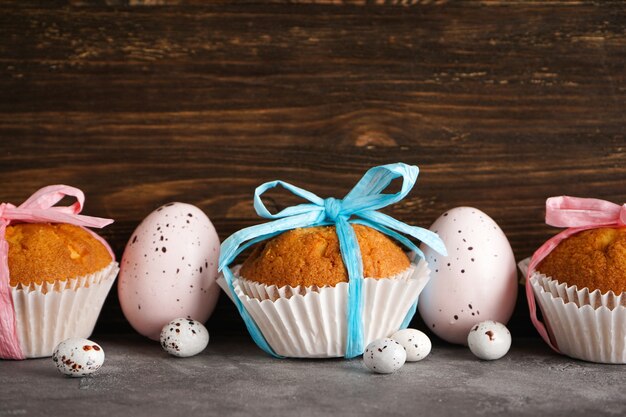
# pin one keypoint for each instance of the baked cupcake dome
(593, 259)
(51, 252)
(311, 257)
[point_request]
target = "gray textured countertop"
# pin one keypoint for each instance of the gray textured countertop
(233, 377)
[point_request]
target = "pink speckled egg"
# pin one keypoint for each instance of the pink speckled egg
(169, 269)
(477, 281)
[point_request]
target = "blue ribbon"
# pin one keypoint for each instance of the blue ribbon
(361, 202)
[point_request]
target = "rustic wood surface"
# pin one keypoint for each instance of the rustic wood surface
(500, 106)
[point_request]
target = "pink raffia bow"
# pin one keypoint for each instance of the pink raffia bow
(37, 209)
(577, 214)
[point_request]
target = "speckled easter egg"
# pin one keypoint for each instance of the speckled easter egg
(384, 356)
(169, 269)
(489, 340)
(78, 357)
(416, 344)
(184, 338)
(475, 282)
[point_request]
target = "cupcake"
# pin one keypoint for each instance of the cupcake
(311, 257)
(578, 279)
(295, 287)
(327, 277)
(593, 259)
(59, 277)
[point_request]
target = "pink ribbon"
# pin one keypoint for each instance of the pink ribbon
(37, 209)
(577, 214)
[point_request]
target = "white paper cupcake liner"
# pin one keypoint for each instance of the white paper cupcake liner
(310, 322)
(46, 314)
(585, 324)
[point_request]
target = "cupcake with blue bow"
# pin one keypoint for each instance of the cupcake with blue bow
(327, 277)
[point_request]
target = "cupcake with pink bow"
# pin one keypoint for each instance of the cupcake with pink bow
(54, 273)
(578, 280)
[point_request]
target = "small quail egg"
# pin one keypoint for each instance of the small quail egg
(489, 340)
(184, 337)
(78, 357)
(384, 356)
(416, 344)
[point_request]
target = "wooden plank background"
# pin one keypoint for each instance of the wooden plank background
(501, 106)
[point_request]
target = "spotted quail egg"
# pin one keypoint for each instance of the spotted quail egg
(489, 340)
(184, 337)
(416, 344)
(78, 357)
(384, 356)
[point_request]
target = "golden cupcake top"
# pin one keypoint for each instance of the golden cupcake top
(50, 252)
(311, 256)
(595, 259)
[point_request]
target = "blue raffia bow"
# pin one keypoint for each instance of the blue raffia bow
(361, 202)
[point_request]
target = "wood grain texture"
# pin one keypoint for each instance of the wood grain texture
(500, 106)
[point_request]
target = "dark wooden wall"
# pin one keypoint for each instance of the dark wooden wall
(500, 106)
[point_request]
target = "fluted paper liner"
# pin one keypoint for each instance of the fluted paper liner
(587, 325)
(49, 313)
(310, 322)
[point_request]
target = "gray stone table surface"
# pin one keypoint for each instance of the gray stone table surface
(233, 377)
